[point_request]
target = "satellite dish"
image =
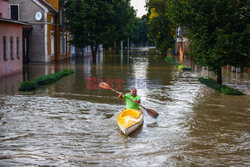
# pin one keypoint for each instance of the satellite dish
(38, 16)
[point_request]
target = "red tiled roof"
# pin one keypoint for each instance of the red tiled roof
(48, 6)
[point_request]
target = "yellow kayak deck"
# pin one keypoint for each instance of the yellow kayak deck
(129, 118)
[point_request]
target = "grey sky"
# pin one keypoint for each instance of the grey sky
(139, 6)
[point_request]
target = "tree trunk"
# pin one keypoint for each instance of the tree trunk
(93, 53)
(219, 76)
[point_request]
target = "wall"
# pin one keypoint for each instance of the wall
(28, 9)
(37, 47)
(11, 66)
(54, 3)
(4, 9)
(51, 31)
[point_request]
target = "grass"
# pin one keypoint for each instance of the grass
(224, 89)
(43, 80)
(178, 65)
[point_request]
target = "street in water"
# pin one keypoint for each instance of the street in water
(72, 122)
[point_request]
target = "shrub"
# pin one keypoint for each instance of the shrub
(28, 85)
(221, 88)
(178, 65)
(185, 68)
(44, 80)
(169, 59)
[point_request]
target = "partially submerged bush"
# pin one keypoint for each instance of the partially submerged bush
(221, 88)
(184, 68)
(43, 80)
(169, 59)
(28, 85)
(178, 65)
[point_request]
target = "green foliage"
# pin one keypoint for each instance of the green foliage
(139, 32)
(169, 59)
(28, 86)
(96, 22)
(221, 88)
(43, 80)
(160, 29)
(178, 65)
(219, 31)
(184, 68)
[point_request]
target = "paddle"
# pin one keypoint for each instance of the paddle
(149, 111)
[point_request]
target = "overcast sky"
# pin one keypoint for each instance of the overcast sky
(139, 6)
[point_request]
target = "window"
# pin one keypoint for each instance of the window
(52, 19)
(68, 48)
(61, 16)
(17, 48)
(11, 48)
(5, 48)
(25, 47)
(52, 45)
(61, 45)
(65, 43)
(14, 12)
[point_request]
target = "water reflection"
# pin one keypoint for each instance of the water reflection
(10, 85)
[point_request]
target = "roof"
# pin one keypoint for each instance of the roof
(14, 21)
(48, 6)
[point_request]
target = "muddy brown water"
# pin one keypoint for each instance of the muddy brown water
(71, 123)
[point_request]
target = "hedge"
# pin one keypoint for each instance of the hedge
(221, 88)
(43, 80)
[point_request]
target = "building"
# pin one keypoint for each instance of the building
(181, 46)
(48, 40)
(11, 42)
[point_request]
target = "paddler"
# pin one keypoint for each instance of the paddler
(131, 99)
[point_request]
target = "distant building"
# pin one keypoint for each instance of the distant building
(48, 40)
(11, 42)
(182, 43)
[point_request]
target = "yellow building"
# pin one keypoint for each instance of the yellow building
(58, 36)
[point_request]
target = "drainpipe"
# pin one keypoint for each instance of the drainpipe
(56, 51)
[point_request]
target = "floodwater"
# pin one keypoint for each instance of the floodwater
(72, 123)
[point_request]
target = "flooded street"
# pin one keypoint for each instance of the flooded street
(71, 123)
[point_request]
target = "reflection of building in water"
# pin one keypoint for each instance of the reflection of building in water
(10, 84)
(181, 45)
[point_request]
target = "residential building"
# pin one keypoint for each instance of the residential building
(11, 42)
(49, 39)
(181, 46)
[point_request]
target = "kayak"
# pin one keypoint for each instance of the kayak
(129, 120)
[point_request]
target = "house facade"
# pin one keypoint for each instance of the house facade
(48, 40)
(11, 42)
(181, 46)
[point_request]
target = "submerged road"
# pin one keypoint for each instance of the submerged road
(72, 123)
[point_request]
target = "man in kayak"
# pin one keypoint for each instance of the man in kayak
(134, 97)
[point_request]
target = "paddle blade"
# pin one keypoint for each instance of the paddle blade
(152, 113)
(104, 85)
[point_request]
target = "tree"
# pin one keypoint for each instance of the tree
(218, 31)
(139, 31)
(95, 22)
(160, 29)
